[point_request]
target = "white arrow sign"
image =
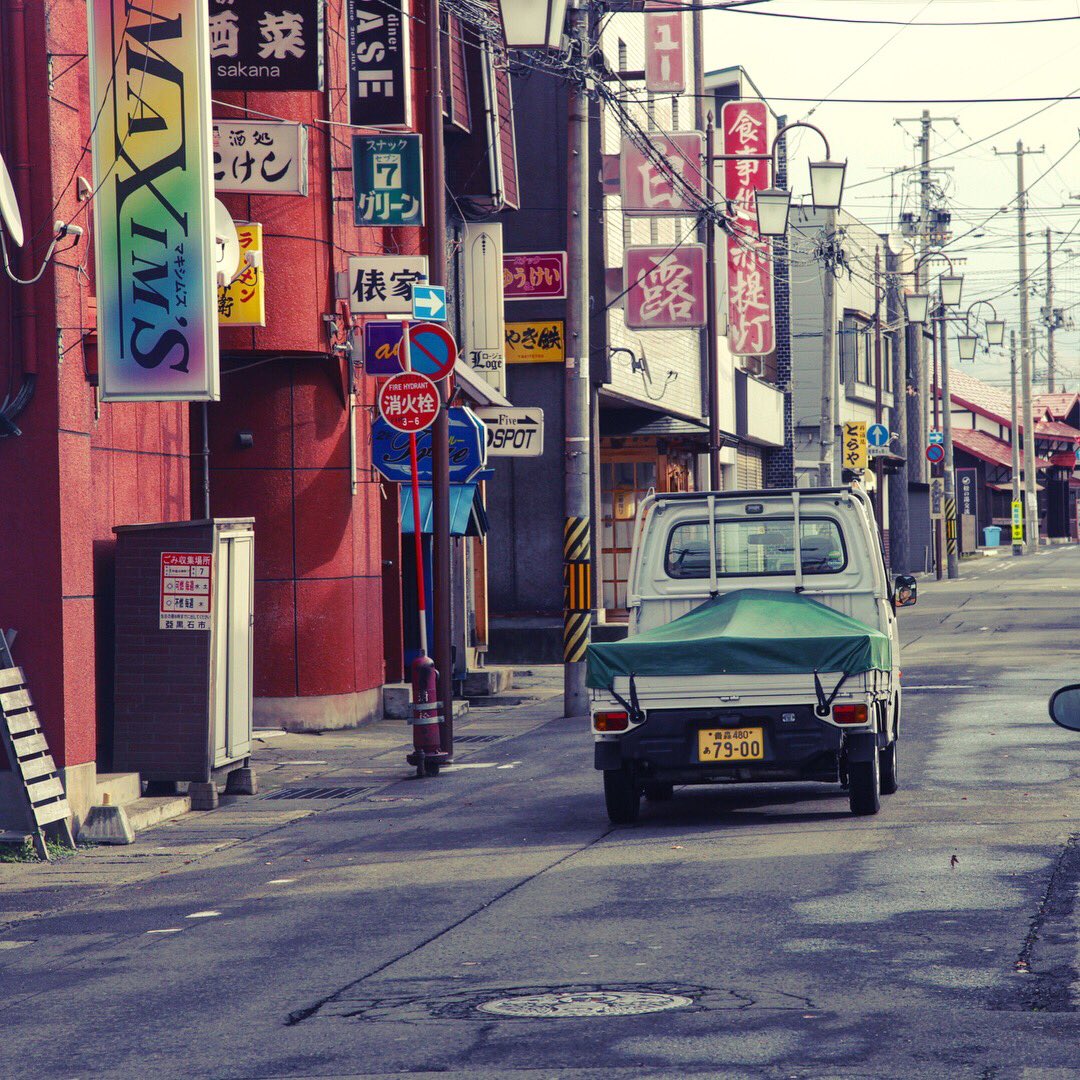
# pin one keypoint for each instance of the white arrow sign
(513, 432)
(429, 302)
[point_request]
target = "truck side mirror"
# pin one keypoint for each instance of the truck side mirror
(1065, 707)
(905, 591)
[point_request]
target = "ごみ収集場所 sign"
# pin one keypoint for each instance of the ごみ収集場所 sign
(154, 209)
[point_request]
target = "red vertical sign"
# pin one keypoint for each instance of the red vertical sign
(751, 330)
(665, 69)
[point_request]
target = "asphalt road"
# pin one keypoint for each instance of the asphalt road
(937, 939)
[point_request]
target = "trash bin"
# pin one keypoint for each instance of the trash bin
(992, 535)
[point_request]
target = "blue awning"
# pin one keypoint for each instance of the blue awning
(467, 515)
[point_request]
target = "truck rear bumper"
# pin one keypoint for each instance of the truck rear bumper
(796, 745)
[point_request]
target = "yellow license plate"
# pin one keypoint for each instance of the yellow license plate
(731, 744)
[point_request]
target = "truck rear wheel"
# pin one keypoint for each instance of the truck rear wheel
(622, 795)
(887, 757)
(864, 786)
(655, 792)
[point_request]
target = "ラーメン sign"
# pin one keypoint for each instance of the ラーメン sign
(154, 211)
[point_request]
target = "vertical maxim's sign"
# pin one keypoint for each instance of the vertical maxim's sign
(153, 213)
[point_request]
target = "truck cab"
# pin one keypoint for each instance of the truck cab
(762, 647)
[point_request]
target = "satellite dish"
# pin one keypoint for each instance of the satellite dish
(896, 242)
(9, 207)
(226, 244)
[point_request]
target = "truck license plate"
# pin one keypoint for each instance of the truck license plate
(731, 744)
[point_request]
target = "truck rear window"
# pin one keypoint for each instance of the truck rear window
(755, 548)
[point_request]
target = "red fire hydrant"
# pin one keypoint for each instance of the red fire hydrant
(427, 753)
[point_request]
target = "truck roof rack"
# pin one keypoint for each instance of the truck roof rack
(754, 492)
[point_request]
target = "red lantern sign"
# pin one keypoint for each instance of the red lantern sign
(649, 188)
(665, 69)
(409, 402)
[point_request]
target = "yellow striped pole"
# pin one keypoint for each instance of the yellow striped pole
(577, 589)
(950, 526)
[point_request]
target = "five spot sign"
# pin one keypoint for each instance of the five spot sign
(409, 402)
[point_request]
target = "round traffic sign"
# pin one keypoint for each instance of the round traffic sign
(877, 435)
(432, 350)
(935, 452)
(409, 402)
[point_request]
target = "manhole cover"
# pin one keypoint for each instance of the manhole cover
(585, 1003)
(315, 793)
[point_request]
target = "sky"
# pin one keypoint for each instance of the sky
(789, 58)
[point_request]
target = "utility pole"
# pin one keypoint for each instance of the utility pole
(577, 526)
(1051, 323)
(1031, 514)
(935, 324)
(899, 525)
(1017, 548)
(827, 436)
(712, 358)
(951, 556)
(879, 494)
(440, 432)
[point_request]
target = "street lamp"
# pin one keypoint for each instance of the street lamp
(995, 331)
(966, 344)
(533, 24)
(951, 287)
(917, 305)
(773, 205)
(827, 182)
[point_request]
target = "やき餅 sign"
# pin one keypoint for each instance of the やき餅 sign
(154, 211)
(265, 44)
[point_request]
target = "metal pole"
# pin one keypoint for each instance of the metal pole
(827, 435)
(1027, 423)
(577, 528)
(440, 432)
(951, 552)
(923, 412)
(899, 509)
(879, 494)
(1051, 325)
(1017, 548)
(712, 359)
(935, 324)
(206, 461)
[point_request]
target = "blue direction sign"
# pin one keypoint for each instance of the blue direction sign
(935, 438)
(935, 452)
(877, 435)
(468, 449)
(429, 302)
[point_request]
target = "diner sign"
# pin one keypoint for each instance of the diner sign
(154, 209)
(380, 71)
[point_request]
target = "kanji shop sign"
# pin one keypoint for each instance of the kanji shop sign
(243, 302)
(154, 209)
(265, 156)
(854, 451)
(185, 598)
(665, 287)
(536, 342)
(266, 44)
(383, 284)
(665, 66)
(670, 182)
(380, 69)
(751, 328)
(409, 402)
(534, 275)
(388, 180)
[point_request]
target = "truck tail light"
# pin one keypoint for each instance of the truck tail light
(849, 714)
(611, 721)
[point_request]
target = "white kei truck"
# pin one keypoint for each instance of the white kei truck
(762, 647)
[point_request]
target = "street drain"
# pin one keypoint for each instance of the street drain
(584, 1003)
(315, 793)
(476, 738)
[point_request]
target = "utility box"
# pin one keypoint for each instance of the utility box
(184, 617)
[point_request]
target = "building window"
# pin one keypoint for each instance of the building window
(654, 231)
(674, 114)
(650, 111)
(624, 62)
(627, 231)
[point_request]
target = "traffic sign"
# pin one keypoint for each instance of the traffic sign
(429, 302)
(935, 453)
(468, 450)
(935, 438)
(1017, 522)
(877, 435)
(432, 350)
(513, 432)
(409, 402)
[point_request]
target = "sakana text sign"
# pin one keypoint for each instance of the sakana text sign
(265, 44)
(154, 210)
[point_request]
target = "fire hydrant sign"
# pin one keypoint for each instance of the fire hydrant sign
(409, 402)
(185, 590)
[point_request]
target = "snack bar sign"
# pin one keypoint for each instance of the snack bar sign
(265, 44)
(388, 186)
(154, 211)
(185, 590)
(380, 91)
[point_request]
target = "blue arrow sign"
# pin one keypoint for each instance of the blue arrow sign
(468, 449)
(935, 438)
(877, 435)
(429, 302)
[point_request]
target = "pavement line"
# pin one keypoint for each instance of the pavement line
(203, 915)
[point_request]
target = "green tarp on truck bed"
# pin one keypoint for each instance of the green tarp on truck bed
(746, 632)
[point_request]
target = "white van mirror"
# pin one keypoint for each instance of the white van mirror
(905, 591)
(1065, 707)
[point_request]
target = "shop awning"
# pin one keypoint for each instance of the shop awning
(467, 514)
(1008, 487)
